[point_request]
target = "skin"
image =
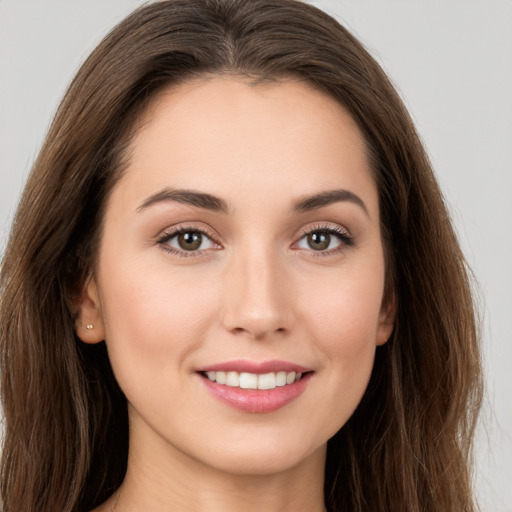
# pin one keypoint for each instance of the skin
(257, 291)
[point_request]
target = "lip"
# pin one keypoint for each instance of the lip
(257, 400)
(257, 367)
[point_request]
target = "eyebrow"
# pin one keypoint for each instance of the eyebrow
(190, 197)
(216, 204)
(313, 202)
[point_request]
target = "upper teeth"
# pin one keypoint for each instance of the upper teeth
(252, 380)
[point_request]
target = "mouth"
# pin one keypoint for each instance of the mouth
(256, 387)
(246, 380)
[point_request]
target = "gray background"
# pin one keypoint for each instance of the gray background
(452, 62)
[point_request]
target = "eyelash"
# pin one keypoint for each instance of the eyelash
(346, 240)
(173, 232)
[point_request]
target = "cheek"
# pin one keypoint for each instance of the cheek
(344, 327)
(344, 318)
(152, 318)
(349, 304)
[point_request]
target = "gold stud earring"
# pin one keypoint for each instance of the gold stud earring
(89, 327)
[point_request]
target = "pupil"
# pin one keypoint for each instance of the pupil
(319, 241)
(190, 240)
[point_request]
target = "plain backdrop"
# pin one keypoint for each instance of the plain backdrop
(452, 62)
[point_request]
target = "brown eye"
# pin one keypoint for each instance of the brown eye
(319, 241)
(190, 240)
(325, 240)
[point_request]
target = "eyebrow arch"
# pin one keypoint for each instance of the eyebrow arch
(308, 203)
(191, 197)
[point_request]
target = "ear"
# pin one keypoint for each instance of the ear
(89, 323)
(386, 320)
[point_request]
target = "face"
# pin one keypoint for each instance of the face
(241, 274)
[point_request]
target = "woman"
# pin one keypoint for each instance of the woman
(232, 281)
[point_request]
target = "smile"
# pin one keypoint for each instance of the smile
(247, 380)
(256, 387)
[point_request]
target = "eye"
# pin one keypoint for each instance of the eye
(325, 239)
(184, 240)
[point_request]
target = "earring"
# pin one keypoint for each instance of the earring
(89, 327)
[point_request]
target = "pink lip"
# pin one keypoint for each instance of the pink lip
(257, 400)
(258, 367)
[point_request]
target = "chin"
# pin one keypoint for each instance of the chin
(262, 452)
(267, 462)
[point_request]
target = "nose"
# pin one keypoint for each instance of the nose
(258, 296)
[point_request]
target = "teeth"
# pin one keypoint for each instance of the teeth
(246, 380)
(281, 378)
(233, 379)
(267, 381)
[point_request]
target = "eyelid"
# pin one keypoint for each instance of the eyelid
(343, 234)
(173, 231)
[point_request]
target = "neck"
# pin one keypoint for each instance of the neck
(172, 480)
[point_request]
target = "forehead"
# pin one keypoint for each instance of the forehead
(236, 102)
(234, 137)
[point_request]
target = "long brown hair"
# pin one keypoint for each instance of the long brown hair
(408, 445)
